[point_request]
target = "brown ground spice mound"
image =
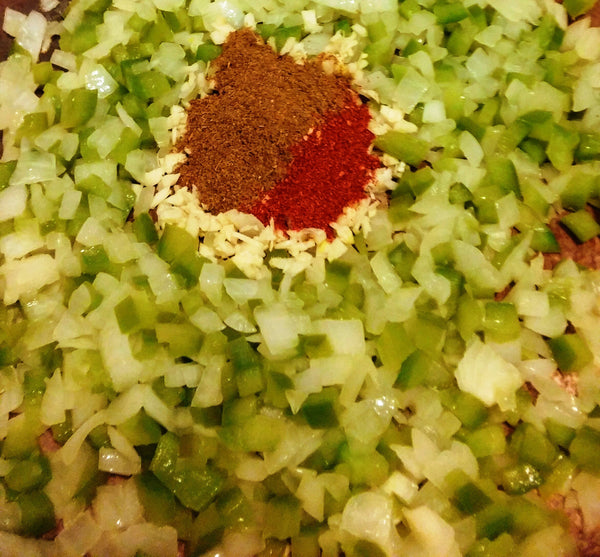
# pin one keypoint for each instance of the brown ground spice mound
(238, 139)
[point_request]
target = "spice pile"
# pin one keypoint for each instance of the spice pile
(284, 141)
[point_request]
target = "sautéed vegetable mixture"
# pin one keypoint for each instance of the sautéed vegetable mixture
(416, 375)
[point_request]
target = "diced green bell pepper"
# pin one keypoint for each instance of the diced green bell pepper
(319, 409)
(520, 478)
(21, 438)
(582, 224)
(282, 34)
(403, 146)
(33, 124)
(588, 148)
(561, 147)
(197, 487)
(246, 367)
(450, 13)
(37, 513)
(282, 517)
(461, 38)
(501, 172)
(94, 260)
(337, 275)
(403, 259)
(342, 25)
(485, 441)
(493, 520)
(544, 240)
(585, 449)
(576, 8)
(559, 434)
(466, 407)
(533, 447)
(315, 346)
(158, 501)
(502, 546)
(208, 51)
(459, 194)
(234, 508)
(414, 370)
(570, 352)
(29, 474)
(141, 429)
(78, 106)
(159, 32)
(470, 499)
(394, 345)
(501, 322)
(578, 191)
(83, 37)
(144, 229)
(6, 170)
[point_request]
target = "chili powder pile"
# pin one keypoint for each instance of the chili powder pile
(284, 141)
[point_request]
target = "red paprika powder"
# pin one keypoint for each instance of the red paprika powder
(329, 171)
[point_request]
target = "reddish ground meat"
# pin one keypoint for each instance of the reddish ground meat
(47, 443)
(586, 254)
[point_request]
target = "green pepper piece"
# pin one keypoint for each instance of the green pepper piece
(141, 429)
(246, 367)
(576, 8)
(233, 507)
(343, 26)
(501, 322)
(533, 447)
(165, 458)
(578, 191)
(561, 147)
(394, 345)
(196, 487)
(588, 148)
(520, 478)
(582, 224)
(78, 106)
(466, 407)
(208, 51)
(450, 13)
(461, 38)
(470, 499)
(403, 146)
(558, 433)
(175, 242)
(282, 517)
(29, 474)
(486, 441)
(544, 240)
(94, 260)
(570, 352)
(315, 346)
(82, 38)
(403, 259)
(414, 370)
(144, 229)
(585, 449)
(494, 520)
(319, 409)
(6, 170)
(33, 124)
(37, 513)
(158, 501)
(282, 34)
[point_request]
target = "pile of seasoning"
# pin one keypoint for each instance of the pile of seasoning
(284, 141)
